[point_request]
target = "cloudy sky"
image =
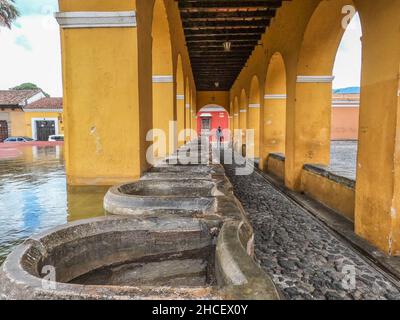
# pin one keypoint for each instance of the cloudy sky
(30, 52)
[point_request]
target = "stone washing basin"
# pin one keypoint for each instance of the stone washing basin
(114, 258)
(118, 257)
(149, 196)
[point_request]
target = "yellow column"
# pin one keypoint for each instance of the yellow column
(242, 126)
(163, 79)
(274, 125)
(188, 122)
(235, 122)
(163, 107)
(253, 122)
(180, 105)
(377, 212)
(308, 127)
(102, 89)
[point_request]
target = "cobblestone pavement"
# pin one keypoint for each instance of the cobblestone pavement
(304, 258)
(344, 158)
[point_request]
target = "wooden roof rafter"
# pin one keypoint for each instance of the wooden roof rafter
(209, 23)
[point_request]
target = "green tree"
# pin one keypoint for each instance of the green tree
(29, 86)
(8, 12)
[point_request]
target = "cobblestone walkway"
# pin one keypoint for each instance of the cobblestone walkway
(304, 258)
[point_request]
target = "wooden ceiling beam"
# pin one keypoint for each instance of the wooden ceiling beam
(231, 15)
(224, 4)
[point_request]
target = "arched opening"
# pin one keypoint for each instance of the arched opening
(210, 118)
(274, 117)
(309, 117)
(162, 64)
(346, 102)
(253, 119)
(180, 101)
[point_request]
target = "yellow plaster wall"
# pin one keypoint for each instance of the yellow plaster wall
(378, 174)
(253, 120)
(162, 65)
(220, 98)
(276, 167)
(334, 195)
(106, 129)
(17, 123)
(103, 120)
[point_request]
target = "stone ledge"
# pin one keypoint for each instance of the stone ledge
(235, 268)
(277, 156)
(322, 171)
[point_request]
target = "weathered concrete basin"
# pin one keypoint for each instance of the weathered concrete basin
(131, 258)
(146, 196)
(115, 257)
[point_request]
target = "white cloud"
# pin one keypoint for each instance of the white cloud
(30, 52)
(347, 70)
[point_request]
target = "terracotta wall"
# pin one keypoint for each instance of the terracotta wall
(345, 123)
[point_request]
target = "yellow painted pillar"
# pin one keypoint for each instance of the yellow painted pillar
(163, 107)
(242, 126)
(163, 80)
(236, 112)
(194, 121)
(104, 79)
(377, 211)
(308, 127)
(274, 112)
(188, 122)
(253, 122)
(180, 106)
(274, 125)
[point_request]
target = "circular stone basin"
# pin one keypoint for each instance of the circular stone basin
(159, 188)
(114, 257)
(146, 196)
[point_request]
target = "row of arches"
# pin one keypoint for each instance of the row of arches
(293, 85)
(247, 113)
(173, 96)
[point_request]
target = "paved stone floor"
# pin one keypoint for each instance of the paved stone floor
(305, 259)
(344, 158)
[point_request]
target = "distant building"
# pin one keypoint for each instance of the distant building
(29, 113)
(345, 116)
(210, 118)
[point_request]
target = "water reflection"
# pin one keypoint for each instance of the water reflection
(34, 195)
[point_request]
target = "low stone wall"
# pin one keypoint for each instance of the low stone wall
(335, 192)
(276, 165)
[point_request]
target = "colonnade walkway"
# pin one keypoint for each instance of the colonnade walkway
(305, 259)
